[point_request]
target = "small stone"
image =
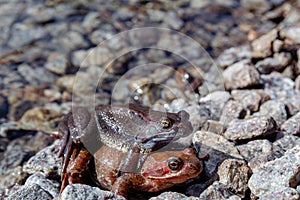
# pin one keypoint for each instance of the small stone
(262, 46)
(82, 192)
(286, 193)
(276, 63)
(66, 82)
(235, 175)
(218, 191)
(250, 99)
(214, 127)
(41, 119)
(297, 83)
(232, 110)
(291, 33)
(250, 128)
(260, 6)
(199, 4)
(45, 162)
(217, 147)
(33, 191)
(172, 195)
(292, 125)
(277, 45)
(18, 109)
(15, 176)
(232, 55)
(275, 175)
(292, 104)
(275, 109)
(286, 141)
(50, 186)
(171, 18)
(57, 63)
(72, 40)
(241, 75)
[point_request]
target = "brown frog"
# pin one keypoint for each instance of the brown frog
(131, 133)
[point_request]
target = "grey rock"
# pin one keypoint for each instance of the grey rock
(256, 152)
(285, 142)
(217, 147)
(291, 33)
(286, 193)
(262, 46)
(250, 99)
(33, 191)
(57, 63)
(23, 34)
(250, 128)
(19, 108)
(275, 175)
(292, 125)
(233, 54)
(275, 109)
(218, 191)
(45, 162)
(71, 40)
(85, 192)
(50, 186)
(232, 110)
(276, 63)
(241, 75)
(235, 175)
(213, 126)
(172, 19)
(277, 45)
(292, 103)
(172, 195)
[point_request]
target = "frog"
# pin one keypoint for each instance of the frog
(160, 171)
(134, 130)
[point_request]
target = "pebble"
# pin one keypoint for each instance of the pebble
(275, 109)
(82, 192)
(291, 34)
(242, 74)
(172, 195)
(232, 110)
(297, 82)
(218, 191)
(217, 147)
(246, 129)
(250, 99)
(262, 46)
(292, 125)
(33, 191)
(57, 63)
(286, 193)
(235, 175)
(275, 175)
(276, 63)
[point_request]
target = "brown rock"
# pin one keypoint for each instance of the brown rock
(262, 46)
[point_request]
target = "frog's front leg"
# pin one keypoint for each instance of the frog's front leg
(126, 182)
(77, 169)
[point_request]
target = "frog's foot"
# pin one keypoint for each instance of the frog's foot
(77, 169)
(131, 161)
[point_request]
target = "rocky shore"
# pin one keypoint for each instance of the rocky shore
(242, 89)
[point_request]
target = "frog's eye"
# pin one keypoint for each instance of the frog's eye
(174, 163)
(165, 123)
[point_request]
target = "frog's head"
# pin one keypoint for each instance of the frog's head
(172, 166)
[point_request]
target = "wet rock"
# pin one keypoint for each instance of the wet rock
(41, 119)
(57, 63)
(172, 195)
(235, 175)
(275, 109)
(275, 175)
(250, 99)
(276, 63)
(82, 192)
(50, 186)
(285, 193)
(241, 75)
(234, 54)
(217, 147)
(262, 46)
(291, 34)
(250, 128)
(3, 107)
(31, 192)
(232, 110)
(218, 191)
(45, 161)
(292, 125)
(19, 108)
(256, 152)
